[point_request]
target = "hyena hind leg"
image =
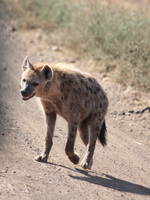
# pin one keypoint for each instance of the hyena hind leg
(88, 158)
(72, 131)
(84, 131)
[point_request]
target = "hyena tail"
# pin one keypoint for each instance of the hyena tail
(102, 135)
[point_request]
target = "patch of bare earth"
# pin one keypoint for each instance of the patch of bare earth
(129, 4)
(120, 171)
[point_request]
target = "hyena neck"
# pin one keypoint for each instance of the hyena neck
(49, 89)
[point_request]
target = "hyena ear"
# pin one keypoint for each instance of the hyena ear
(26, 64)
(47, 71)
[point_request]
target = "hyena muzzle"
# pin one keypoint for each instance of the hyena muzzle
(74, 95)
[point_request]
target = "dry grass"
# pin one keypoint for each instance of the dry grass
(116, 36)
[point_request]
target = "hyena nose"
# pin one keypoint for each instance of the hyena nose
(23, 92)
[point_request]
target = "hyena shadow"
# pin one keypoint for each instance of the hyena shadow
(111, 182)
(62, 166)
(106, 180)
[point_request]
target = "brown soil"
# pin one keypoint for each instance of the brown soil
(120, 171)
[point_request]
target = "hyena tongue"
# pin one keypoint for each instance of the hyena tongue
(28, 97)
(25, 97)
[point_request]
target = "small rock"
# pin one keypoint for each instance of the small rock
(28, 176)
(127, 113)
(72, 61)
(13, 29)
(56, 48)
(131, 111)
(137, 111)
(103, 76)
(39, 34)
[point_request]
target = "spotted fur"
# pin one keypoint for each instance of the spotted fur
(74, 95)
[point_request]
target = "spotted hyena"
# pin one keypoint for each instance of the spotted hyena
(75, 96)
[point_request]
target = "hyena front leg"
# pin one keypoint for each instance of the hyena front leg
(72, 131)
(50, 121)
(87, 161)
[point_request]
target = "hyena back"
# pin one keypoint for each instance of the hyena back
(75, 96)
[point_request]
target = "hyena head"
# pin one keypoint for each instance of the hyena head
(33, 78)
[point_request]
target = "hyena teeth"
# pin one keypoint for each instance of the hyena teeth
(25, 97)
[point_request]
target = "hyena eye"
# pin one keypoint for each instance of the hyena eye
(24, 80)
(35, 84)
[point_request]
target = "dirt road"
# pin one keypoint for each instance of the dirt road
(120, 171)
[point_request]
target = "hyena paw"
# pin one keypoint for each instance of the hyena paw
(85, 164)
(41, 158)
(75, 159)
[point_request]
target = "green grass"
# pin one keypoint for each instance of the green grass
(116, 36)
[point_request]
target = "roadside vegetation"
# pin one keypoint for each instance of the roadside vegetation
(113, 35)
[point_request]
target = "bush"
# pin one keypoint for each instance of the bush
(105, 33)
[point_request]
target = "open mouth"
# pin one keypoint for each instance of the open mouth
(26, 98)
